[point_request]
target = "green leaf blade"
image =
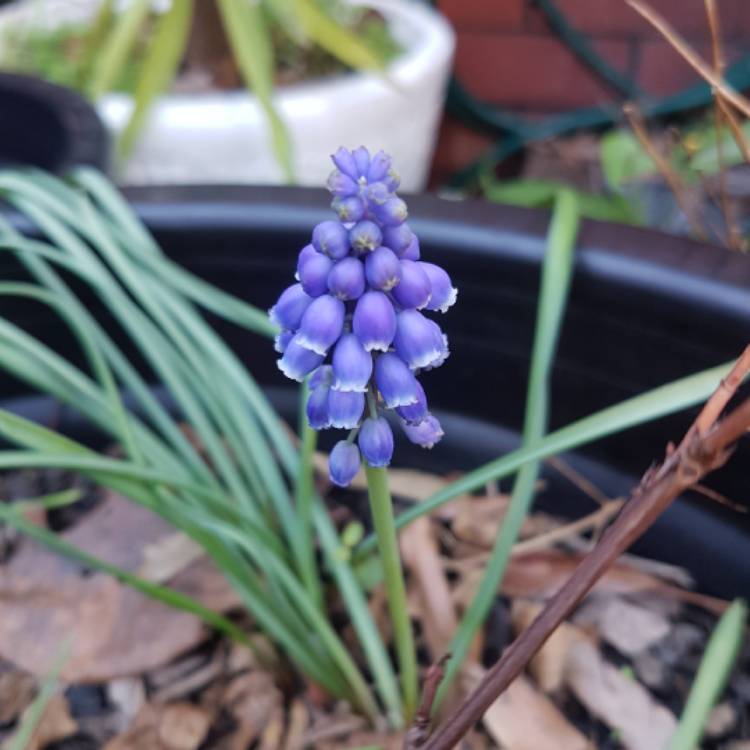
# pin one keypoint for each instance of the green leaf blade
(162, 60)
(250, 40)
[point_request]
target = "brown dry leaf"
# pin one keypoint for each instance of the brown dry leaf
(332, 728)
(252, 699)
(178, 683)
(721, 720)
(179, 726)
(183, 726)
(548, 665)
(477, 741)
(299, 719)
(477, 520)
(128, 696)
(263, 654)
(522, 718)
(55, 724)
(124, 533)
(540, 574)
(165, 558)
(620, 702)
(273, 734)
(381, 740)
(630, 628)
(17, 690)
(421, 556)
(116, 630)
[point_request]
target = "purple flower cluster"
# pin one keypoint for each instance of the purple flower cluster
(360, 290)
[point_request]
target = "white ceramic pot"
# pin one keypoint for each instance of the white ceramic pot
(222, 137)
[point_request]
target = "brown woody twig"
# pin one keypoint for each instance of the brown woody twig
(420, 728)
(690, 55)
(663, 166)
(735, 129)
(705, 447)
(734, 238)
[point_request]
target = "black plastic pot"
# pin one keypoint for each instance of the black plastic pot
(644, 309)
(48, 126)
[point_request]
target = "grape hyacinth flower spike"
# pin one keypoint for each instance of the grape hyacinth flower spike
(357, 320)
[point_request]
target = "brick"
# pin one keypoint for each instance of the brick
(616, 18)
(742, 28)
(531, 71)
(661, 71)
(457, 146)
(487, 15)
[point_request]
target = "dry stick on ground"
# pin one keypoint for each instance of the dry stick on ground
(592, 522)
(705, 447)
(734, 238)
(664, 167)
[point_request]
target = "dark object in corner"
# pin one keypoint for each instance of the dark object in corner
(48, 126)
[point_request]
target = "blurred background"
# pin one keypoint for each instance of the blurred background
(469, 96)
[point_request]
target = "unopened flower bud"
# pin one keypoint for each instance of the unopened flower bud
(376, 442)
(343, 463)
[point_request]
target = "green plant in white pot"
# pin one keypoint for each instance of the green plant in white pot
(168, 80)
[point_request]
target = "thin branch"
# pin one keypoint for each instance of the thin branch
(664, 167)
(735, 128)
(717, 497)
(706, 447)
(577, 479)
(714, 25)
(594, 521)
(734, 238)
(690, 55)
(420, 728)
(715, 405)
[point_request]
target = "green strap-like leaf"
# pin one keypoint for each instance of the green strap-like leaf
(716, 666)
(33, 715)
(250, 40)
(335, 38)
(165, 52)
(94, 39)
(556, 274)
(117, 47)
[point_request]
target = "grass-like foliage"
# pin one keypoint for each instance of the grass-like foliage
(247, 497)
(238, 501)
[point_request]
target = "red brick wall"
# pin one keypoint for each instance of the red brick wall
(507, 55)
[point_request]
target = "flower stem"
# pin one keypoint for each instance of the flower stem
(381, 507)
(304, 546)
(305, 490)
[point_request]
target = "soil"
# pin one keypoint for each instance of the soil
(614, 676)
